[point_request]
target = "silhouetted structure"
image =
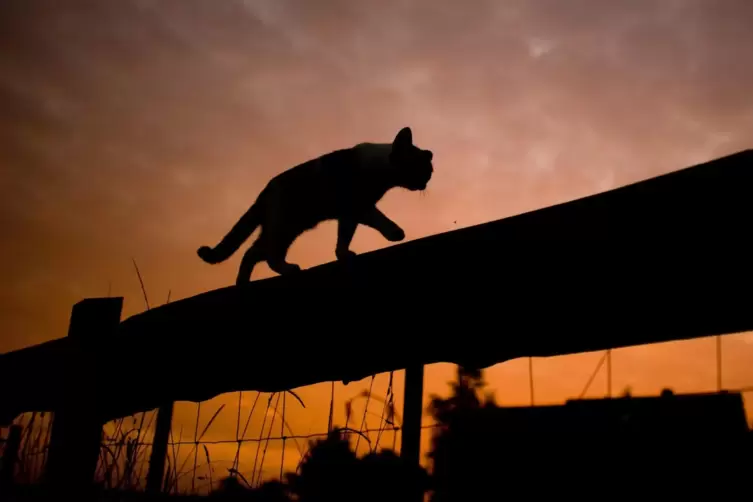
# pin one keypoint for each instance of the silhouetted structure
(670, 444)
(662, 259)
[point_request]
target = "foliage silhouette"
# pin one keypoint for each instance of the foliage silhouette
(231, 489)
(331, 471)
(457, 453)
(328, 471)
(384, 476)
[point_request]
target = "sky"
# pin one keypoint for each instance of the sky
(140, 130)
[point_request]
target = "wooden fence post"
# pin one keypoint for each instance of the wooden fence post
(76, 435)
(10, 456)
(159, 449)
(413, 407)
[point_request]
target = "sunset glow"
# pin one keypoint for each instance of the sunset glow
(142, 130)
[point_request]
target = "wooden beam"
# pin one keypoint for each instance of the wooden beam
(659, 260)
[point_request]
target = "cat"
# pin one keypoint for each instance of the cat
(342, 185)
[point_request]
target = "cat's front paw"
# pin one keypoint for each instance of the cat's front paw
(395, 234)
(345, 254)
(290, 268)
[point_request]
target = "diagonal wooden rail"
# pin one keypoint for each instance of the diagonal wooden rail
(663, 259)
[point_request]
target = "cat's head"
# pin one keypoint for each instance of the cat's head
(412, 164)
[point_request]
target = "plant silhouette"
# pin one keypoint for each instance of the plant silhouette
(457, 454)
(328, 472)
(331, 471)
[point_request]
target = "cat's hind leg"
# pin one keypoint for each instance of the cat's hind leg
(251, 257)
(346, 229)
(277, 254)
(282, 267)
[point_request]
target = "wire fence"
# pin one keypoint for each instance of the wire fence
(264, 446)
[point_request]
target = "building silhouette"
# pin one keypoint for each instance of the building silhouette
(662, 445)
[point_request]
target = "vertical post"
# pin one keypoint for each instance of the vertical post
(77, 424)
(530, 378)
(413, 407)
(159, 449)
(609, 372)
(718, 363)
(10, 456)
(410, 446)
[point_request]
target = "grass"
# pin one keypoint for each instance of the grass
(126, 446)
(191, 467)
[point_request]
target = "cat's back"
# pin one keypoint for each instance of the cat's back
(340, 173)
(372, 156)
(335, 168)
(315, 184)
(322, 188)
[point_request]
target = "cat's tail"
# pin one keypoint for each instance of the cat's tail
(233, 240)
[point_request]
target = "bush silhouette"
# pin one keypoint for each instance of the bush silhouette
(331, 471)
(328, 471)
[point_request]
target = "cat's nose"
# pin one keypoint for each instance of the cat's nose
(430, 155)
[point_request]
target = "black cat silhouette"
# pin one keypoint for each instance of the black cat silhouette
(343, 185)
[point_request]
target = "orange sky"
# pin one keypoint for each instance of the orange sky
(137, 129)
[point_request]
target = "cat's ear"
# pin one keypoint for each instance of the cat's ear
(403, 138)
